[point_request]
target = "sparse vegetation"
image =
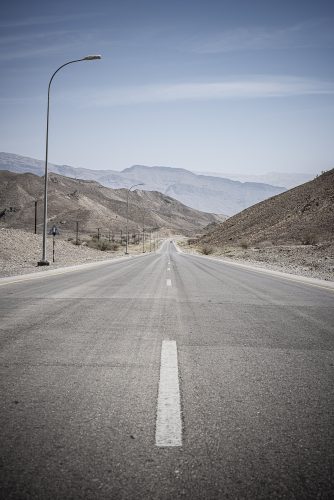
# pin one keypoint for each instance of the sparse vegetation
(309, 239)
(264, 244)
(101, 244)
(206, 249)
(74, 241)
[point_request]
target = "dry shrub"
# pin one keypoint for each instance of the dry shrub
(264, 244)
(102, 245)
(309, 239)
(244, 245)
(114, 246)
(75, 242)
(206, 250)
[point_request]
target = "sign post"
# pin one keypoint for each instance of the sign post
(54, 231)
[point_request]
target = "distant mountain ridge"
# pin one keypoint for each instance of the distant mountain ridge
(93, 205)
(287, 180)
(201, 192)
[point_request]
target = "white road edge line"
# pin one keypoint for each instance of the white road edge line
(319, 283)
(168, 424)
(169, 282)
(8, 280)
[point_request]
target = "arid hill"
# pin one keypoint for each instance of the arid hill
(93, 205)
(303, 215)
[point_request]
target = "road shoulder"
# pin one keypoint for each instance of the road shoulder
(279, 274)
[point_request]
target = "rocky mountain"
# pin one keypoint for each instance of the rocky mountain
(302, 215)
(93, 205)
(202, 192)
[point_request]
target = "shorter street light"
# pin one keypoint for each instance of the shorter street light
(43, 261)
(127, 216)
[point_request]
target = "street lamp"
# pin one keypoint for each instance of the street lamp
(43, 261)
(127, 216)
(144, 232)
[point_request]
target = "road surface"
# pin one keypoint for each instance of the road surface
(166, 376)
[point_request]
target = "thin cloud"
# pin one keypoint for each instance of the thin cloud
(30, 45)
(304, 35)
(237, 89)
(44, 20)
(30, 37)
(40, 51)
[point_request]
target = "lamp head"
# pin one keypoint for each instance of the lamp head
(92, 58)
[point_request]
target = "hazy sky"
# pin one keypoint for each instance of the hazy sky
(210, 85)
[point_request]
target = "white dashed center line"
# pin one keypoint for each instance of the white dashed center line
(169, 282)
(168, 425)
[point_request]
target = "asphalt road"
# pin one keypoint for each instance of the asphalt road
(80, 370)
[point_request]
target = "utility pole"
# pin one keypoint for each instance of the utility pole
(98, 234)
(150, 241)
(35, 216)
(77, 236)
(127, 216)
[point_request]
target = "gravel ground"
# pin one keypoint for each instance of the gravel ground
(313, 261)
(20, 251)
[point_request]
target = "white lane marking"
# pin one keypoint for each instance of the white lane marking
(169, 282)
(168, 268)
(168, 425)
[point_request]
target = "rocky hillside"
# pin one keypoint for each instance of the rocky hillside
(202, 192)
(303, 215)
(93, 205)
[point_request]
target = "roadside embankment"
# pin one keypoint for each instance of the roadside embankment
(313, 261)
(20, 251)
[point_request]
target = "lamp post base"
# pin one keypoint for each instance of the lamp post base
(43, 263)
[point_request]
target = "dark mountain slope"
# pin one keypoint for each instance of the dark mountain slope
(300, 215)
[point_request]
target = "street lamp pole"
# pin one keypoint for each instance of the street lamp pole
(43, 261)
(127, 216)
(144, 233)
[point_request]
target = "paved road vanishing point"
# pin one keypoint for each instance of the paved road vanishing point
(166, 376)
